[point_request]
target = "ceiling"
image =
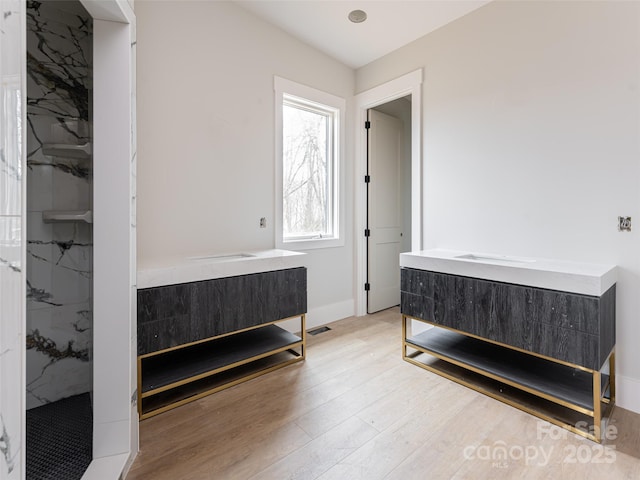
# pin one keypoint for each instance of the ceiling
(324, 25)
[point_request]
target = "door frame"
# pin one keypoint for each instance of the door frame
(115, 419)
(408, 84)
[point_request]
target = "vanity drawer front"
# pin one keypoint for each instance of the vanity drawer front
(165, 333)
(417, 306)
(453, 302)
(236, 303)
(418, 282)
(442, 299)
(504, 313)
(568, 345)
(163, 302)
(163, 317)
(568, 310)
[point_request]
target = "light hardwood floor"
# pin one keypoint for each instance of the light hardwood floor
(355, 410)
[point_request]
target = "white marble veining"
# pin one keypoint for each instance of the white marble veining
(206, 267)
(12, 241)
(59, 255)
(583, 278)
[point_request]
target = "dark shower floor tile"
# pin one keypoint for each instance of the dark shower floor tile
(59, 439)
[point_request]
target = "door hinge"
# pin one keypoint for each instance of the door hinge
(367, 287)
(367, 232)
(367, 124)
(367, 178)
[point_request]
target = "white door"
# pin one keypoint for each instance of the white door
(385, 214)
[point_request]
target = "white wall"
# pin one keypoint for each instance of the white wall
(206, 138)
(531, 148)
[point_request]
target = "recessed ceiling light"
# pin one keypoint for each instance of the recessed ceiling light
(357, 16)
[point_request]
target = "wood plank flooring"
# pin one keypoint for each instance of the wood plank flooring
(355, 410)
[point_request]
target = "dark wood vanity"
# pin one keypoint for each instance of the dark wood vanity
(547, 352)
(197, 338)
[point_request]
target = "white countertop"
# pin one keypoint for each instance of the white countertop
(583, 278)
(193, 269)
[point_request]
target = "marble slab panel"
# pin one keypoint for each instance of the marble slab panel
(11, 408)
(11, 315)
(59, 341)
(12, 25)
(10, 148)
(59, 255)
(59, 263)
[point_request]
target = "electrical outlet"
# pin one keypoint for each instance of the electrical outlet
(624, 224)
(263, 222)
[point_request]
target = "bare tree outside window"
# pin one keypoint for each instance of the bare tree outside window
(307, 171)
(308, 147)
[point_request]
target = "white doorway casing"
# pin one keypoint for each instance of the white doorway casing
(409, 84)
(115, 419)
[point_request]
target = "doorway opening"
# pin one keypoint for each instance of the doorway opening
(388, 183)
(409, 88)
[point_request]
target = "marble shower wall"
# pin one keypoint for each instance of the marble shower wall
(12, 275)
(59, 255)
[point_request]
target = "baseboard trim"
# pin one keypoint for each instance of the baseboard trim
(330, 313)
(111, 467)
(628, 393)
(319, 316)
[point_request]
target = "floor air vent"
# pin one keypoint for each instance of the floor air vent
(318, 330)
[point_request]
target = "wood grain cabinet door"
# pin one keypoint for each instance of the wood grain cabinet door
(163, 317)
(568, 310)
(417, 282)
(514, 315)
(417, 292)
(504, 313)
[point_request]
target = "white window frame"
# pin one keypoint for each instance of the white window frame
(303, 93)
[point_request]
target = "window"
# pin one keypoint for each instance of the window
(308, 134)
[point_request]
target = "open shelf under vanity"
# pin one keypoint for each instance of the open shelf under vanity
(186, 373)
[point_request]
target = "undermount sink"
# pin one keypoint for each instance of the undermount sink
(493, 258)
(221, 258)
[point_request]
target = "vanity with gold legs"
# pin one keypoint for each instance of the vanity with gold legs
(197, 338)
(547, 352)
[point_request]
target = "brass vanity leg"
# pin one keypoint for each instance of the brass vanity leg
(597, 407)
(303, 329)
(404, 336)
(612, 377)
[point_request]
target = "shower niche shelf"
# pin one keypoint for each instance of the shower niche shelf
(56, 216)
(81, 152)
